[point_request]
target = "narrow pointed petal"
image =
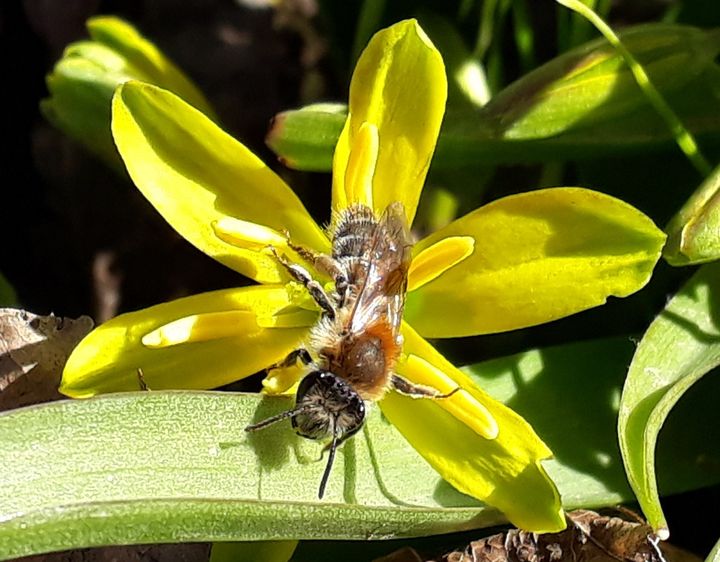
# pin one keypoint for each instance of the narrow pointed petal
(503, 471)
(399, 86)
(200, 178)
(203, 341)
(538, 256)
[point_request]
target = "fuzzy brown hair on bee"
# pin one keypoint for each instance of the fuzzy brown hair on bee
(353, 348)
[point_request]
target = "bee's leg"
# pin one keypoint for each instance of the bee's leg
(302, 275)
(301, 354)
(322, 262)
(325, 264)
(404, 386)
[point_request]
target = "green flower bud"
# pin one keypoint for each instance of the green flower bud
(694, 232)
(82, 83)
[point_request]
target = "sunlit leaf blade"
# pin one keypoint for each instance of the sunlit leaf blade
(177, 466)
(571, 399)
(681, 345)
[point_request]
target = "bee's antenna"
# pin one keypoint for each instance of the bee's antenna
(328, 466)
(279, 417)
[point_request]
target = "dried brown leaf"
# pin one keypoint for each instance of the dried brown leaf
(33, 352)
(589, 537)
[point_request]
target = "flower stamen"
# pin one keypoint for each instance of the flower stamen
(245, 234)
(436, 259)
(460, 404)
(361, 165)
(202, 327)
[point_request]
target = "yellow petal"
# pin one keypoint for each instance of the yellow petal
(203, 341)
(504, 472)
(361, 166)
(140, 59)
(457, 401)
(199, 178)
(436, 259)
(538, 256)
(399, 85)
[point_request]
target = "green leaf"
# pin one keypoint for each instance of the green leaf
(177, 466)
(680, 346)
(467, 82)
(570, 394)
(582, 104)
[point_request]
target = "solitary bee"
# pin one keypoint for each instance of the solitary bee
(353, 348)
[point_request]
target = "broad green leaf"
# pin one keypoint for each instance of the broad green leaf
(467, 83)
(570, 395)
(683, 137)
(201, 179)
(538, 256)
(176, 466)
(693, 231)
(680, 346)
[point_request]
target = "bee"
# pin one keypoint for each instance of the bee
(353, 348)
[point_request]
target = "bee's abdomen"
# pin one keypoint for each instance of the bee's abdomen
(353, 232)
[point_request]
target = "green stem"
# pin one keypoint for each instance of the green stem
(683, 137)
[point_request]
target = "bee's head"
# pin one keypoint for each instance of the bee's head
(325, 407)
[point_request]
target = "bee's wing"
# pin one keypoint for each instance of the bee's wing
(382, 295)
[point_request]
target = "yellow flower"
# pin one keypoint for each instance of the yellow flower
(519, 261)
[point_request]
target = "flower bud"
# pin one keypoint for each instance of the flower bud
(82, 83)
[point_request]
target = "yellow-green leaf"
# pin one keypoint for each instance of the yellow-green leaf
(198, 342)
(399, 85)
(198, 177)
(680, 346)
(538, 256)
